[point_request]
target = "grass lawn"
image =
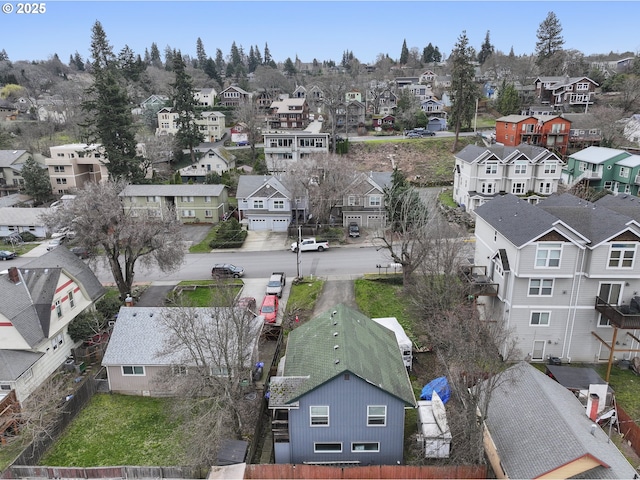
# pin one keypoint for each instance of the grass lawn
(446, 198)
(203, 246)
(209, 293)
(303, 297)
(119, 430)
(382, 299)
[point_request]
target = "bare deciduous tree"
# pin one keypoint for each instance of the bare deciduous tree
(212, 351)
(334, 90)
(247, 113)
(128, 236)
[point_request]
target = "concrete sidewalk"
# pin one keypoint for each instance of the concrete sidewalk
(270, 241)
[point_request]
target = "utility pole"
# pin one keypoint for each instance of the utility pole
(298, 252)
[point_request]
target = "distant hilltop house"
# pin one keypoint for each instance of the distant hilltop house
(211, 124)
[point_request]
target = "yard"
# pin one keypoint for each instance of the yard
(206, 293)
(119, 430)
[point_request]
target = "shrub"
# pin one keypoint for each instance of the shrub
(229, 235)
(28, 237)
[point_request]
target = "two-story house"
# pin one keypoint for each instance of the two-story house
(565, 93)
(481, 173)
(73, 165)
(210, 160)
(11, 163)
(340, 394)
(188, 203)
(281, 149)
(39, 300)
(604, 169)
(22, 219)
(566, 275)
(350, 115)
(265, 204)
(289, 113)
(205, 97)
(232, 96)
(549, 131)
(363, 202)
(211, 124)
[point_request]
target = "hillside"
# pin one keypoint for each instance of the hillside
(425, 162)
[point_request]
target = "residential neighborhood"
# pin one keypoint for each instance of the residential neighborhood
(452, 236)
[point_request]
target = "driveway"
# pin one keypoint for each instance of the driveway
(335, 292)
(195, 233)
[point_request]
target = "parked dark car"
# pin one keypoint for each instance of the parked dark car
(413, 135)
(7, 255)
(427, 133)
(354, 230)
(222, 270)
(81, 252)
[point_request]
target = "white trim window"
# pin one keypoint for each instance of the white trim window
(621, 255)
(624, 172)
(376, 415)
(58, 304)
(57, 341)
(550, 167)
(179, 370)
(208, 213)
(132, 370)
(375, 200)
(357, 447)
(491, 168)
(72, 302)
(520, 167)
(487, 188)
(186, 199)
(518, 188)
(327, 447)
(540, 319)
(548, 255)
(319, 415)
(540, 287)
(544, 187)
(278, 204)
(258, 204)
(188, 213)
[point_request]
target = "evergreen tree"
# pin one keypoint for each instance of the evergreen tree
(508, 101)
(182, 97)
(220, 64)
(3, 56)
(256, 52)
(108, 111)
(78, 61)
(200, 53)
(397, 194)
(168, 58)
(486, 50)
(289, 67)
(437, 56)
(211, 71)
(268, 61)
(512, 53)
(72, 62)
(549, 45)
(129, 64)
(147, 57)
(36, 180)
(154, 56)
(427, 54)
(404, 53)
(253, 61)
(236, 58)
(464, 92)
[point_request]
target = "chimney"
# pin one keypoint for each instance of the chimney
(592, 406)
(14, 276)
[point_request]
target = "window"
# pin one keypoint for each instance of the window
(550, 167)
(58, 168)
(154, 212)
(186, 199)
(521, 168)
(539, 318)
(179, 370)
(548, 255)
(610, 293)
(544, 187)
(61, 181)
(351, 200)
(540, 287)
(608, 185)
(59, 308)
(319, 416)
(518, 188)
(376, 415)
(72, 302)
(375, 201)
(188, 213)
(258, 204)
(5, 387)
(365, 447)
(278, 204)
(207, 199)
(624, 172)
(487, 188)
(491, 168)
(132, 370)
(153, 199)
(582, 166)
(57, 341)
(621, 255)
(208, 213)
(335, 447)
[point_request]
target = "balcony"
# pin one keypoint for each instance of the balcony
(637, 181)
(480, 284)
(280, 426)
(621, 316)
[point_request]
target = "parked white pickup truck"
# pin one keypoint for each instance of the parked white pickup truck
(308, 244)
(276, 284)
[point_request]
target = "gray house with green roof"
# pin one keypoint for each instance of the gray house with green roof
(340, 393)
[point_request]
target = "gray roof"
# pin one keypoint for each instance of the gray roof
(195, 190)
(382, 179)
(7, 157)
(473, 153)
(249, 184)
(14, 363)
(624, 204)
(593, 221)
(364, 348)
(15, 199)
(27, 305)
(516, 219)
(538, 426)
(20, 216)
(140, 337)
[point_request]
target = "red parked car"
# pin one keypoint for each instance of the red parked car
(269, 308)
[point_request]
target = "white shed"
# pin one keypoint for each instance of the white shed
(404, 342)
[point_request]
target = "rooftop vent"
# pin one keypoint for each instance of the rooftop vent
(336, 361)
(335, 347)
(335, 334)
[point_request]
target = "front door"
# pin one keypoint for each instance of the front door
(538, 350)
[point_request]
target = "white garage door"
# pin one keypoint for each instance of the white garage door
(280, 224)
(258, 225)
(352, 218)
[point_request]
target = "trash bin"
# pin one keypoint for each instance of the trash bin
(624, 364)
(555, 361)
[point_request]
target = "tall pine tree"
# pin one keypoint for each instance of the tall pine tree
(486, 50)
(108, 109)
(464, 92)
(404, 53)
(182, 97)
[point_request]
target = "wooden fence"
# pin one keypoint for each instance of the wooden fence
(105, 472)
(368, 472)
(629, 428)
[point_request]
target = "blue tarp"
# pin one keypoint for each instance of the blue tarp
(440, 386)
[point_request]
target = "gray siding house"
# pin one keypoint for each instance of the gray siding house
(363, 202)
(340, 394)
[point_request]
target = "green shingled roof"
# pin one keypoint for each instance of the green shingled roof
(364, 348)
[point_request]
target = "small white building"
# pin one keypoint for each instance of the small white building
(404, 342)
(433, 429)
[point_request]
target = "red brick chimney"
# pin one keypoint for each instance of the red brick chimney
(593, 411)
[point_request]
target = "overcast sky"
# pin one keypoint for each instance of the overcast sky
(322, 30)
